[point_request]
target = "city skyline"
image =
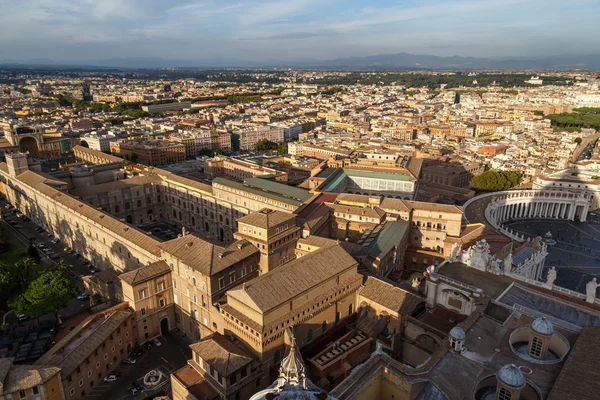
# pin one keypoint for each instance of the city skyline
(295, 31)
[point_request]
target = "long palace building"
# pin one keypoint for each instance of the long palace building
(263, 269)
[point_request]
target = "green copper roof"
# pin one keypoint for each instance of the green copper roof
(345, 173)
(377, 175)
(277, 191)
(390, 235)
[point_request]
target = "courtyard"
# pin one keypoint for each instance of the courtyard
(576, 254)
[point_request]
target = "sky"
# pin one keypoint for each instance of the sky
(293, 30)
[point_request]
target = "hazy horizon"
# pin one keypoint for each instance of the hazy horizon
(276, 31)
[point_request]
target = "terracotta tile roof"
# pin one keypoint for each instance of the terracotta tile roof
(292, 279)
(22, 377)
(376, 212)
(205, 257)
(74, 348)
(125, 232)
(393, 205)
(144, 274)
(390, 296)
(5, 364)
(221, 354)
(421, 205)
(267, 218)
(580, 376)
(195, 384)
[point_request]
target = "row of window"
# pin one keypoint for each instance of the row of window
(23, 394)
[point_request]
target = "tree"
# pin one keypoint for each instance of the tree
(4, 243)
(33, 253)
(265, 144)
(9, 280)
(46, 294)
(282, 149)
(578, 140)
(134, 157)
(492, 181)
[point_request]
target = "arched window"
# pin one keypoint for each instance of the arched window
(117, 209)
(504, 394)
(309, 336)
(148, 200)
(350, 308)
(174, 214)
(193, 221)
(324, 326)
(536, 347)
(139, 203)
(206, 227)
(202, 286)
(127, 206)
(194, 280)
(226, 221)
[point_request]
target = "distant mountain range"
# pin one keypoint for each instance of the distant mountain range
(380, 61)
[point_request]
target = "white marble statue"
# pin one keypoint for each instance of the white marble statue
(453, 252)
(480, 256)
(590, 291)
(551, 276)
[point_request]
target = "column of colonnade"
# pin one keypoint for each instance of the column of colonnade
(538, 209)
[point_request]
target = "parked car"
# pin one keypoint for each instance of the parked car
(137, 351)
(157, 342)
(85, 262)
(137, 385)
(129, 361)
(110, 378)
(133, 391)
(18, 226)
(22, 317)
(148, 345)
(115, 373)
(83, 296)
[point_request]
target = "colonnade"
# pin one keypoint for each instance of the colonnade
(534, 204)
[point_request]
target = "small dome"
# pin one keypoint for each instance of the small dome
(458, 333)
(511, 376)
(543, 326)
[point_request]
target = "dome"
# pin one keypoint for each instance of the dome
(458, 333)
(543, 326)
(511, 376)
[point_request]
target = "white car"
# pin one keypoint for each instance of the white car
(83, 296)
(157, 342)
(110, 378)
